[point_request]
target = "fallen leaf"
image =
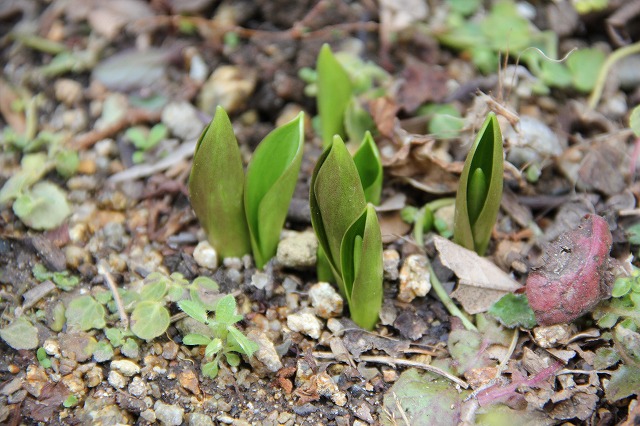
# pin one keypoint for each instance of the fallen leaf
(573, 275)
(422, 83)
(481, 283)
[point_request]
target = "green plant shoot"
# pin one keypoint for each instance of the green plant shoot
(226, 339)
(334, 94)
(480, 189)
(239, 213)
(348, 232)
(216, 186)
(369, 165)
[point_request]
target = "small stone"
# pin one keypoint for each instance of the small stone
(390, 263)
(266, 352)
(233, 263)
(170, 350)
(137, 387)
(116, 380)
(68, 91)
(297, 250)
(229, 87)
(326, 301)
(94, 377)
(261, 280)
(12, 386)
(51, 347)
(335, 326)
(205, 255)
(189, 380)
(552, 335)
(167, 414)
(182, 120)
(305, 322)
(199, 419)
(389, 376)
(328, 388)
(149, 415)
(126, 367)
(414, 278)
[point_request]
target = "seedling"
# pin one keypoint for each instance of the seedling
(63, 279)
(348, 232)
(227, 340)
(43, 359)
(245, 213)
(145, 139)
(480, 189)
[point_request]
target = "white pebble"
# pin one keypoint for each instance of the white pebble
(305, 322)
(205, 255)
(326, 301)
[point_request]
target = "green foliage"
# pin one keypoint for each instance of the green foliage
(227, 340)
(44, 206)
(85, 313)
(424, 398)
(624, 382)
(32, 168)
(584, 66)
(43, 359)
(480, 189)
(348, 232)
(334, 94)
(445, 120)
(634, 121)
(369, 165)
(145, 139)
(513, 310)
(71, 401)
(149, 319)
(238, 213)
(20, 334)
(624, 306)
(63, 279)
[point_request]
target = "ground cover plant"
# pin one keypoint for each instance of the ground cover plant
(319, 212)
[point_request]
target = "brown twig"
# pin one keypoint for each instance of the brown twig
(131, 118)
(108, 280)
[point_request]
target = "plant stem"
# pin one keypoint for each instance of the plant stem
(605, 70)
(440, 203)
(447, 302)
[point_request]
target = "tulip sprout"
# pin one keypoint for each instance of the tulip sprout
(242, 213)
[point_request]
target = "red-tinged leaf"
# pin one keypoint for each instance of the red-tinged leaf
(574, 274)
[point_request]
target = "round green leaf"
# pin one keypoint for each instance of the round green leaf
(20, 334)
(85, 313)
(43, 207)
(149, 320)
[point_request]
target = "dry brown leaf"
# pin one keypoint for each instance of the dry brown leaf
(392, 226)
(422, 83)
(481, 283)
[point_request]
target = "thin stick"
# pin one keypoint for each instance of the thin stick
(403, 362)
(133, 117)
(614, 57)
(447, 302)
(108, 279)
(512, 348)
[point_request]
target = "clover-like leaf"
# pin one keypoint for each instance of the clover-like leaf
(42, 207)
(361, 260)
(480, 189)
(369, 165)
(20, 334)
(154, 291)
(149, 319)
(216, 186)
(334, 94)
(513, 310)
(85, 313)
(271, 179)
(336, 201)
(195, 310)
(32, 168)
(584, 65)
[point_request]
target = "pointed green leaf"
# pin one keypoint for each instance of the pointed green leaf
(248, 346)
(271, 179)
(473, 225)
(196, 339)
(210, 369)
(324, 272)
(357, 121)
(213, 347)
(232, 359)
(361, 258)
(216, 186)
(336, 200)
(334, 93)
(369, 165)
(226, 311)
(195, 310)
